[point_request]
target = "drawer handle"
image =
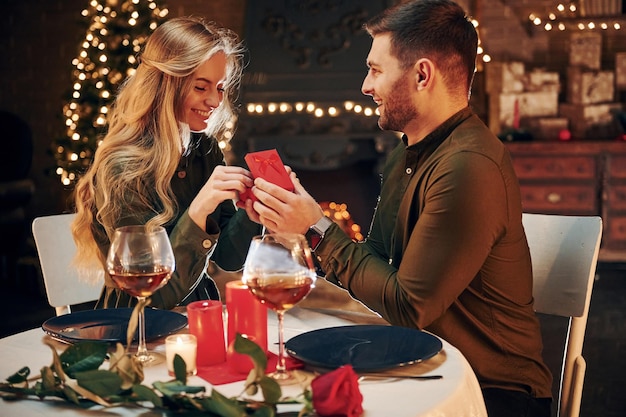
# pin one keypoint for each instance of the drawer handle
(554, 198)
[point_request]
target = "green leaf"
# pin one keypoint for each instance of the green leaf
(144, 393)
(225, 407)
(271, 389)
(264, 411)
(175, 387)
(85, 393)
(180, 368)
(101, 383)
(19, 376)
(248, 347)
(84, 356)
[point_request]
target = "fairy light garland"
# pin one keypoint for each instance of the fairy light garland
(481, 55)
(567, 17)
(316, 109)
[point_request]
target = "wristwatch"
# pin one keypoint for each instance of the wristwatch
(315, 234)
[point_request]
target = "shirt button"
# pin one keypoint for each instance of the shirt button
(390, 261)
(182, 174)
(206, 244)
(408, 171)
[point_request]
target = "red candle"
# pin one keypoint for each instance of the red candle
(247, 316)
(206, 322)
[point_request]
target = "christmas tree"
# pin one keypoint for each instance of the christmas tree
(116, 32)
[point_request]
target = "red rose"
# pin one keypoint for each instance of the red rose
(337, 393)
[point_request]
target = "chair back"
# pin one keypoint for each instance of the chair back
(56, 249)
(564, 253)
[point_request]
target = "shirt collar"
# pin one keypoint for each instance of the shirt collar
(437, 136)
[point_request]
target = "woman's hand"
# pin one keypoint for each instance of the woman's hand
(225, 183)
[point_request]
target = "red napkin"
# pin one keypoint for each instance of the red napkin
(267, 165)
(223, 374)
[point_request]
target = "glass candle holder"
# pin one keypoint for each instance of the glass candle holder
(185, 345)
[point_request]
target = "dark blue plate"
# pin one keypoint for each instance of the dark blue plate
(367, 348)
(109, 325)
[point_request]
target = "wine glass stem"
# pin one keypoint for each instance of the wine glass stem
(142, 349)
(281, 369)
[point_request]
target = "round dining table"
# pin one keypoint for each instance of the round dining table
(456, 393)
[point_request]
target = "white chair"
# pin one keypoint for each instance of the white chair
(564, 252)
(56, 248)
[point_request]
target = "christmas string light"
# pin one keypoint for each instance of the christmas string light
(114, 36)
(568, 17)
(315, 109)
(482, 56)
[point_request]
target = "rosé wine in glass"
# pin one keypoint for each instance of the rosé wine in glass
(279, 271)
(140, 261)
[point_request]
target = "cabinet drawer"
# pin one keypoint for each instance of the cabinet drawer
(570, 167)
(614, 233)
(616, 166)
(616, 195)
(572, 199)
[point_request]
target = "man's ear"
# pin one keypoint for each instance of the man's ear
(423, 70)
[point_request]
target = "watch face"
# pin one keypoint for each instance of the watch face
(315, 234)
(314, 239)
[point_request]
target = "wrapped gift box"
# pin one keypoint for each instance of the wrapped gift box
(530, 104)
(504, 77)
(589, 87)
(585, 50)
(620, 70)
(541, 80)
(591, 121)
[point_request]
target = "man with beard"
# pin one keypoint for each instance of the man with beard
(446, 251)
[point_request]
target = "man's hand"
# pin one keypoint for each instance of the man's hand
(280, 210)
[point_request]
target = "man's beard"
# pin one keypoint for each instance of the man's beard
(398, 109)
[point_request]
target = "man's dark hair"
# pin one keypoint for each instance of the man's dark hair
(436, 29)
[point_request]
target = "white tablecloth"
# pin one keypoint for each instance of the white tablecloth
(457, 394)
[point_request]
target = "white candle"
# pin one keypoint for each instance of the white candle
(184, 345)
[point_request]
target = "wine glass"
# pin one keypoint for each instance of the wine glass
(279, 271)
(140, 261)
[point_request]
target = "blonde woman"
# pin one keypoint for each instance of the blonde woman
(160, 163)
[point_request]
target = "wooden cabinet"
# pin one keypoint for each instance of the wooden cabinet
(577, 178)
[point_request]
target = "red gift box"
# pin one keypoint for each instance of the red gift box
(267, 165)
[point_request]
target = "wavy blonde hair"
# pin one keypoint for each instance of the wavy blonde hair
(141, 150)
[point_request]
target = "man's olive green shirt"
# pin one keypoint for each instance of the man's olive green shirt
(447, 253)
